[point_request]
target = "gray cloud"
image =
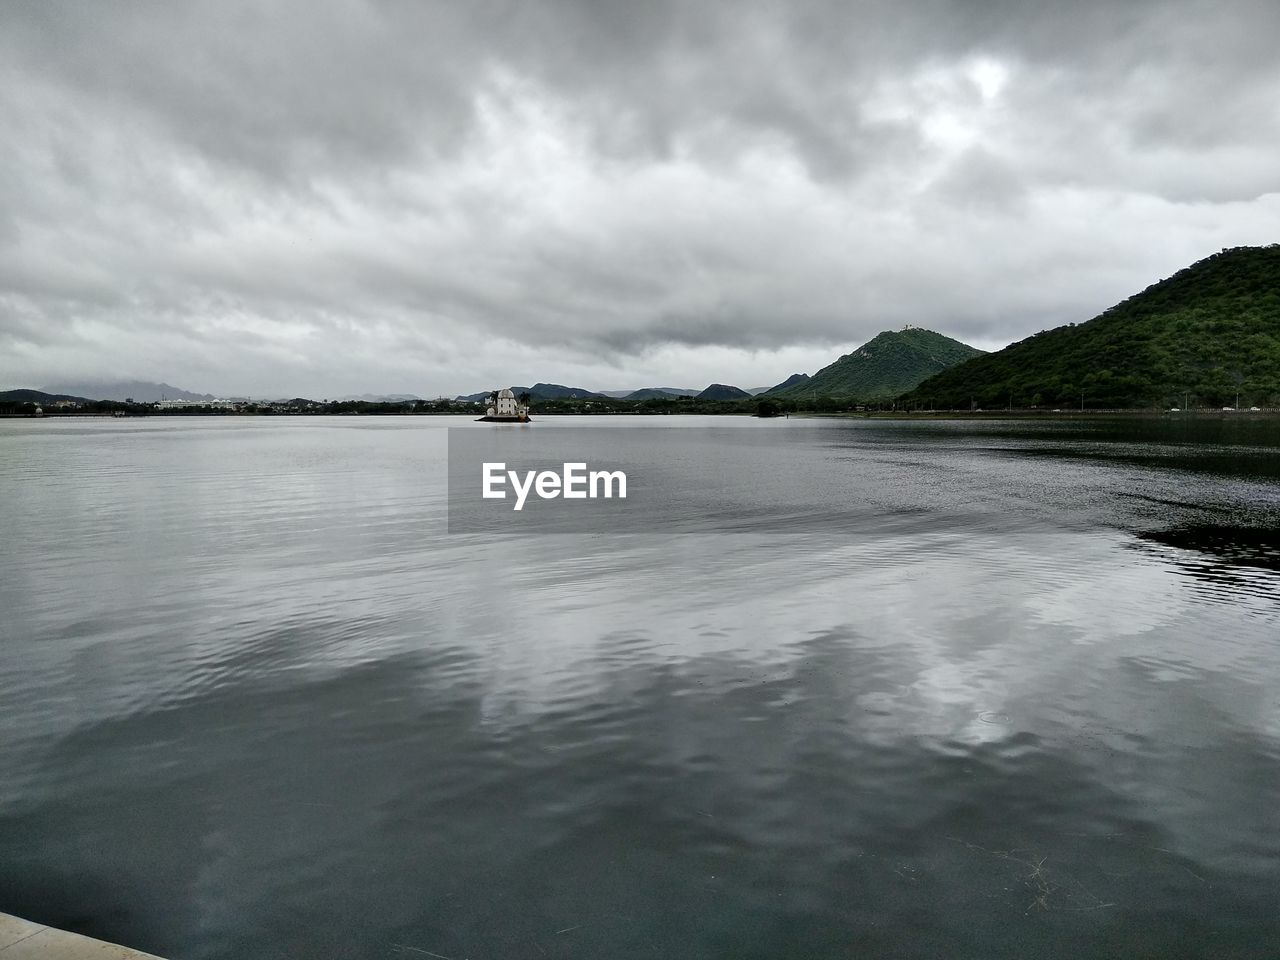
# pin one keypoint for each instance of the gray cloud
(394, 195)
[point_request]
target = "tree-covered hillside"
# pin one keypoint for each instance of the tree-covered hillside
(885, 366)
(1209, 331)
(721, 391)
(787, 384)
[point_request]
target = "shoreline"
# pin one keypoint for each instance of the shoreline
(794, 415)
(26, 940)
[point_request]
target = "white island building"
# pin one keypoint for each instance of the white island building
(505, 408)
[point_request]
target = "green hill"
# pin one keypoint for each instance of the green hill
(556, 391)
(787, 384)
(1209, 331)
(720, 391)
(885, 366)
(651, 393)
(37, 396)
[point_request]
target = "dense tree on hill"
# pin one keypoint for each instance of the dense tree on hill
(791, 381)
(722, 391)
(883, 367)
(1206, 334)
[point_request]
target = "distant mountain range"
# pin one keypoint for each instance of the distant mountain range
(539, 391)
(655, 393)
(888, 364)
(834, 380)
(1208, 335)
(141, 391)
(648, 393)
(555, 391)
(380, 397)
(1203, 336)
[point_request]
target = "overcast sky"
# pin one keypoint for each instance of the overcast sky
(320, 197)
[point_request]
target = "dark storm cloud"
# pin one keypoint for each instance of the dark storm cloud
(338, 190)
(283, 86)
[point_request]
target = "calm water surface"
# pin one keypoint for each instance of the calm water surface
(999, 690)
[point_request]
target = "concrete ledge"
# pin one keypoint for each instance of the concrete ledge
(24, 940)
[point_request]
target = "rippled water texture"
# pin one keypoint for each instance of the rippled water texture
(1000, 690)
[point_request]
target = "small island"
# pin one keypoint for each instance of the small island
(503, 407)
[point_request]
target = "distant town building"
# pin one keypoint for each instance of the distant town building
(190, 404)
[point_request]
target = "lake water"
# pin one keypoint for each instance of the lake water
(933, 689)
